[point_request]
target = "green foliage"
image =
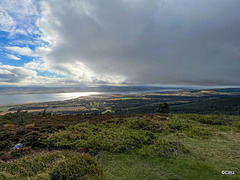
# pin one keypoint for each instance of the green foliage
(45, 114)
(178, 124)
(18, 117)
(212, 119)
(52, 165)
(79, 167)
(101, 136)
(237, 125)
(163, 108)
(163, 148)
(199, 133)
(138, 123)
(126, 146)
(33, 139)
(153, 125)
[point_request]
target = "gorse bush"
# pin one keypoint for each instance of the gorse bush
(55, 165)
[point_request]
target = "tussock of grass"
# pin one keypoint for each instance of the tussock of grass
(52, 165)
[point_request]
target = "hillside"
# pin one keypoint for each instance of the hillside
(137, 146)
(224, 105)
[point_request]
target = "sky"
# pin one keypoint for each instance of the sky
(82, 42)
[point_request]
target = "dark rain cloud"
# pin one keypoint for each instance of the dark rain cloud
(147, 41)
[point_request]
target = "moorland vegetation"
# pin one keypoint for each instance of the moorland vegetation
(107, 146)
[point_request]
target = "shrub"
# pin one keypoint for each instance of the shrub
(178, 124)
(211, 119)
(163, 148)
(94, 137)
(34, 139)
(138, 123)
(199, 133)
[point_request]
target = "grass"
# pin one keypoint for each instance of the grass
(131, 165)
(67, 105)
(107, 112)
(52, 165)
(126, 98)
(210, 150)
(4, 109)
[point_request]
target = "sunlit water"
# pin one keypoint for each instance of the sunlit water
(31, 98)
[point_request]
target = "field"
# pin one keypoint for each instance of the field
(134, 146)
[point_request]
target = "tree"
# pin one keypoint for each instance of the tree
(163, 108)
(19, 113)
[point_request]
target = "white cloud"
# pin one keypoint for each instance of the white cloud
(26, 51)
(16, 74)
(21, 50)
(7, 23)
(17, 16)
(34, 65)
(13, 57)
(24, 76)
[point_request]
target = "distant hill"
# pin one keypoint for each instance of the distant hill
(226, 105)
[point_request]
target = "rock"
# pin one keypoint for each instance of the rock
(17, 146)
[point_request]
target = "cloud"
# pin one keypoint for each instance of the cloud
(15, 74)
(17, 17)
(23, 76)
(172, 42)
(13, 57)
(158, 42)
(21, 50)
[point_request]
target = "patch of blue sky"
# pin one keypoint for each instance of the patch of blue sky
(31, 40)
(3, 40)
(5, 60)
(20, 40)
(3, 37)
(50, 74)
